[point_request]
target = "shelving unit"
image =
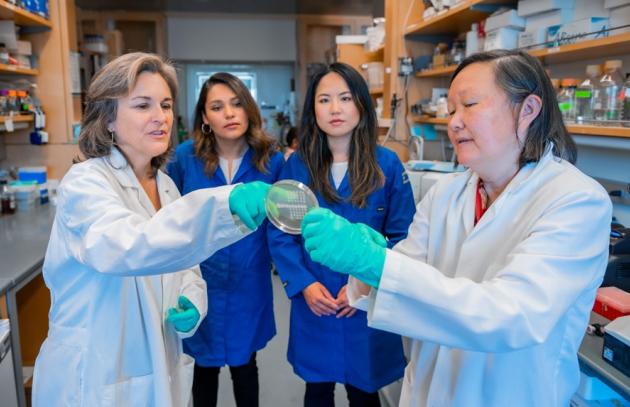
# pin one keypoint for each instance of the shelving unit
(420, 34)
(598, 48)
(601, 131)
(50, 40)
(22, 17)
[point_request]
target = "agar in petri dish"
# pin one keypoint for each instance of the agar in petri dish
(286, 204)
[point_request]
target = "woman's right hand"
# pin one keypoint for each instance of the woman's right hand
(319, 300)
(247, 201)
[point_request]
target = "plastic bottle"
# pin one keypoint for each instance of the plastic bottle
(4, 54)
(7, 198)
(442, 107)
(586, 94)
(12, 101)
(611, 83)
(626, 102)
(566, 99)
(472, 40)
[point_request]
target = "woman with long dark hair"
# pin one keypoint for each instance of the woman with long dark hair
(339, 159)
(229, 147)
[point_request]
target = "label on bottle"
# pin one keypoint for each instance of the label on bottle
(565, 106)
(583, 94)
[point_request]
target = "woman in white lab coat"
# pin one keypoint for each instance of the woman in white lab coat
(496, 279)
(121, 261)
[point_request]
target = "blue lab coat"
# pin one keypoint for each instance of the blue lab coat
(240, 303)
(345, 350)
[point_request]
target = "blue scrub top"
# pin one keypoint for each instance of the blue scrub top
(344, 350)
(240, 302)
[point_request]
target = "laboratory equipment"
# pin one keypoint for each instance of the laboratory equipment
(612, 302)
(286, 204)
(616, 342)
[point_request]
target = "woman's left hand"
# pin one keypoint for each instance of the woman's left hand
(345, 310)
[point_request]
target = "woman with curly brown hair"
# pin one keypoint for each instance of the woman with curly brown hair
(229, 146)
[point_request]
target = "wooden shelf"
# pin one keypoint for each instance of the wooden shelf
(14, 69)
(455, 20)
(430, 120)
(572, 128)
(19, 118)
(377, 54)
(22, 17)
(376, 91)
(618, 44)
(599, 130)
(600, 48)
(437, 72)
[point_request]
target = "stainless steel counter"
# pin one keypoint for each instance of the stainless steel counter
(23, 241)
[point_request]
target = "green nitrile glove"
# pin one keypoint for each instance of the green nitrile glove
(345, 247)
(185, 316)
(247, 201)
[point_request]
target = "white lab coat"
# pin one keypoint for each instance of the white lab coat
(497, 311)
(108, 343)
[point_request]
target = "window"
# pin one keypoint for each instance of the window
(248, 78)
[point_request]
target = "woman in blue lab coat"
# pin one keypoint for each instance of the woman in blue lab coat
(229, 147)
(339, 159)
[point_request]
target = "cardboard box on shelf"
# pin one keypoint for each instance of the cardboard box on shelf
(530, 7)
(619, 16)
(548, 18)
(595, 27)
(533, 39)
(506, 18)
(24, 48)
(615, 3)
(502, 38)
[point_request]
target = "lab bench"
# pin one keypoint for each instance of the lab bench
(26, 300)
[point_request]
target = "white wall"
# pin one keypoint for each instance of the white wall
(211, 37)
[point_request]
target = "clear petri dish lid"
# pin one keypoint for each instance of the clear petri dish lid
(286, 204)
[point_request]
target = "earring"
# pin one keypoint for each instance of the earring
(206, 129)
(112, 133)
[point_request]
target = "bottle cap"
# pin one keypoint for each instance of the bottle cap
(568, 82)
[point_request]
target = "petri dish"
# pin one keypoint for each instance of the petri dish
(286, 204)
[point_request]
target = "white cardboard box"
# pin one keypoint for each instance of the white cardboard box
(529, 7)
(561, 34)
(615, 3)
(537, 37)
(508, 18)
(548, 18)
(351, 39)
(620, 16)
(502, 38)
